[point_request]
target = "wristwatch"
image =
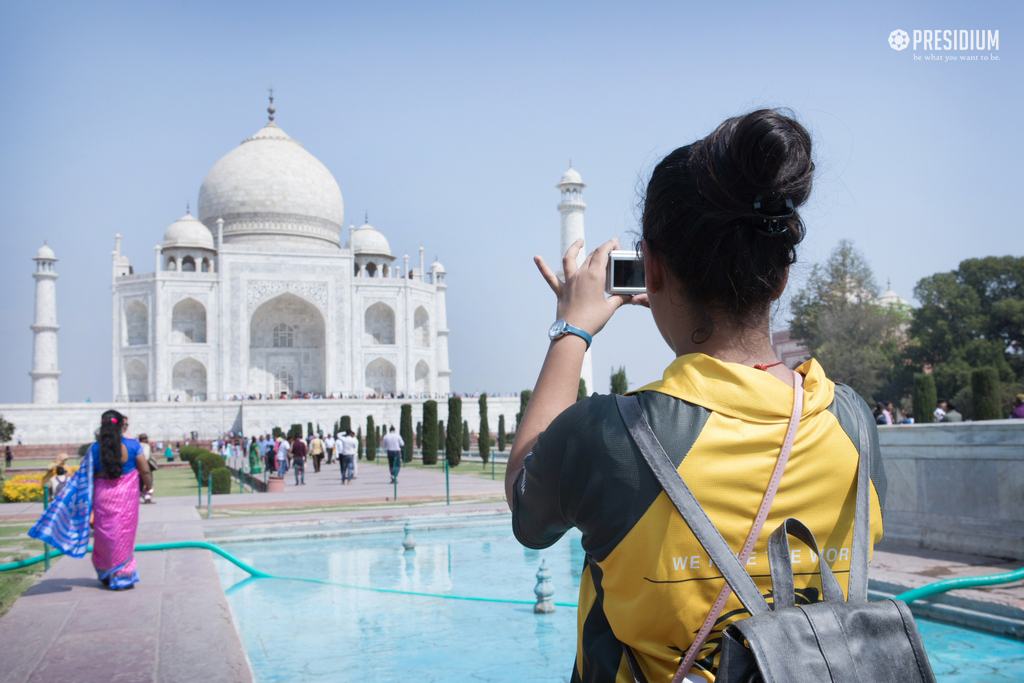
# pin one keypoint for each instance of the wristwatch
(560, 328)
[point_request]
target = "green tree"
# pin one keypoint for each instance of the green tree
(419, 435)
(619, 384)
(371, 443)
(972, 317)
(359, 444)
(6, 430)
(405, 431)
(524, 400)
(430, 433)
(465, 436)
(501, 434)
(985, 394)
(309, 429)
(276, 432)
(581, 392)
(924, 398)
(838, 316)
(484, 440)
(295, 431)
(453, 442)
(346, 423)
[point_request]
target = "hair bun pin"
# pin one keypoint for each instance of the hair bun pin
(114, 420)
(772, 221)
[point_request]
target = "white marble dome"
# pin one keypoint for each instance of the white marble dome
(188, 232)
(45, 253)
(571, 177)
(272, 194)
(436, 267)
(369, 241)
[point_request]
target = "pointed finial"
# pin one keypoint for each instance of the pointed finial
(570, 163)
(366, 217)
(270, 109)
(188, 208)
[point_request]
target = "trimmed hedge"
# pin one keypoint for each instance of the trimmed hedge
(453, 442)
(924, 398)
(430, 432)
(985, 394)
(221, 480)
(371, 443)
(405, 430)
(484, 440)
(501, 433)
(210, 462)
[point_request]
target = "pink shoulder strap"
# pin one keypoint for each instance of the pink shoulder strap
(755, 529)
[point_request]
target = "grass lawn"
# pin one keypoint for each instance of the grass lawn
(177, 481)
(15, 545)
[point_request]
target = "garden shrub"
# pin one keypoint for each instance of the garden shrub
(453, 442)
(221, 480)
(405, 430)
(924, 398)
(371, 444)
(985, 394)
(430, 432)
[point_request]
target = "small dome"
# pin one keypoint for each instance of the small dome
(436, 267)
(45, 253)
(187, 231)
(368, 240)
(571, 177)
(891, 298)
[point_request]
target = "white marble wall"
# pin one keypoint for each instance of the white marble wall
(76, 422)
(957, 487)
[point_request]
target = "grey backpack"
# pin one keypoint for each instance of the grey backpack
(834, 640)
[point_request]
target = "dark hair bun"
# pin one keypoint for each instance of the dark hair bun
(699, 215)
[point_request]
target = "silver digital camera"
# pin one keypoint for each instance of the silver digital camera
(625, 273)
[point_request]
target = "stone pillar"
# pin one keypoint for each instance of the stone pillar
(44, 349)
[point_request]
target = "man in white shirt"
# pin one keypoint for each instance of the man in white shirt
(329, 446)
(393, 443)
(282, 455)
(347, 445)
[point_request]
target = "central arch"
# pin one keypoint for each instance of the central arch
(287, 347)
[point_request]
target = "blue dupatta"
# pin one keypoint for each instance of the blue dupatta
(65, 524)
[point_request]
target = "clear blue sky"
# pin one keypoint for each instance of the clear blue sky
(452, 125)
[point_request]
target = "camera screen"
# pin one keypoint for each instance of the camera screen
(628, 274)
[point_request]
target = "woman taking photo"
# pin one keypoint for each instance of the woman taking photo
(719, 233)
(106, 486)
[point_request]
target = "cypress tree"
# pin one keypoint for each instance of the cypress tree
(405, 431)
(484, 439)
(295, 431)
(442, 436)
(619, 384)
(309, 429)
(985, 394)
(346, 423)
(581, 393)
(924, 398)
(430, 432)
(371, 444)
(501, 434)
(453, 444)
(524, 399)
(465, 436)
(419, 435)
(359, 445)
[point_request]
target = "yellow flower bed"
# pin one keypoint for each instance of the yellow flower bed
(25, 488)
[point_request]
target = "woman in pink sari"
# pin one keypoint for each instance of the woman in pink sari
(118, 464)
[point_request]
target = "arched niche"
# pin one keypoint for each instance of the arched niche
(188, 322)
(188, 378)
(379, 325)
(380, 377)
(421, 327)
(136, 322)
(287, 337)
(188, 265)
(207, 265)
(422, 378)
(371, 269)
(136, 378)
(172, 263)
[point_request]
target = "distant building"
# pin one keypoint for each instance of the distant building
(791, 352)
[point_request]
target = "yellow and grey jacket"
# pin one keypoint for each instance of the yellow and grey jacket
(647, 583)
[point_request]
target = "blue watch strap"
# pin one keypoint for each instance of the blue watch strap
(570, 329)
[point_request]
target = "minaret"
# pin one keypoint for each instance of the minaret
(44, 349)
(572, 207)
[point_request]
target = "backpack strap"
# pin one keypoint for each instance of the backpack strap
(857, 588)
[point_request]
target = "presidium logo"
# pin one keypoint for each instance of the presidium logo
(948, 40)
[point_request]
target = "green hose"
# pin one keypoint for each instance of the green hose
(257, 574)
(961, 582)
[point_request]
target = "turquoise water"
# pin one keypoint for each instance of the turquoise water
(299, 631)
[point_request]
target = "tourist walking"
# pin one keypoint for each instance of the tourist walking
(282, 455)
(719, 234)
(347, 445)
(316, 451)
(106, 486)
(8, 456)
(1016, 413)
(329, 447)
(298, 458)
(255, 456)
(392, 443)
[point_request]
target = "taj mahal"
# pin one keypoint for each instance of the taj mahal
(264, 295)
